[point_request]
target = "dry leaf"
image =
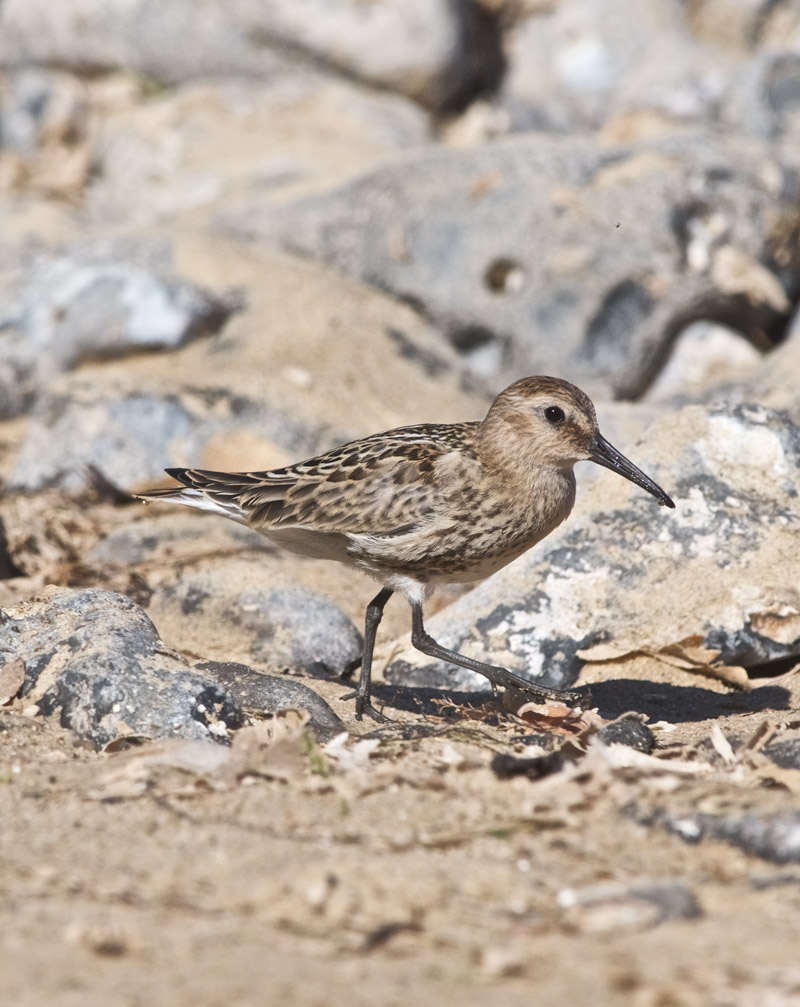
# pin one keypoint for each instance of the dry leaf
(722, 746)
(688, 654)
(762, 736)
(134, 772)
(353, 758)
(271, 748)
(553, 717)
(602, 653)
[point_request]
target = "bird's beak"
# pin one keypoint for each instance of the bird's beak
(607, 455)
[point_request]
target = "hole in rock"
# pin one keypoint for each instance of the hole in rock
(504, 276)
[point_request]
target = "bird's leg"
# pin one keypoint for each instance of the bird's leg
(351, 668)
(374, 616)
(497, 676)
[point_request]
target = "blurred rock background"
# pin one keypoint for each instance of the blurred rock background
(235, 234)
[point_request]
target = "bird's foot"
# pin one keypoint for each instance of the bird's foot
(363, 705)
(373, 714)
(510, 680)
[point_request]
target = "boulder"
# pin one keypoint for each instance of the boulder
(436, 51)
(95, 660)
(545, 254)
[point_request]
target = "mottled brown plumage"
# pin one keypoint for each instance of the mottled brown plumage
(429, 504)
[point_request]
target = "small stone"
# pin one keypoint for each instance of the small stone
(611, 907)
(785, 752)
(628, 731)
(260, 693)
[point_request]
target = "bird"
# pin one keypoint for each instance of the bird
(421, 506)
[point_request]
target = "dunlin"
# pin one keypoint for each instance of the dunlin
(425, 505)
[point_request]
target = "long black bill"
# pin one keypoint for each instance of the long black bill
(607, 455)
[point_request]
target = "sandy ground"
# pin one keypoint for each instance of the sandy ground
(403, 873)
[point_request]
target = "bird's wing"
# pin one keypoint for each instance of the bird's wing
(384, 485)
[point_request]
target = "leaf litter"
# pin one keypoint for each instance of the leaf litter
(688, 654)
(274, 748)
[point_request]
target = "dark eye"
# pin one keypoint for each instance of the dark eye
(554, 415)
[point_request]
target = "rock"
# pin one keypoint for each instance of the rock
(622, 572)
(764, 99)
(554, 255)
(282, 626)
(253, 396)
(703, 358)
(438, 52)
(175, 538)
(299, 628)
(129, 436)
(626, 67)
(97, 301)
(744, 24)
(628, 731)
(258, 693)
(95, 659)
(774, 837)
(785, 752)
(613, 906)
(40, 108)
(768, 384)
(169, 150)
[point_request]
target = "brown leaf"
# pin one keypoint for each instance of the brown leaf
(553, 717)
(688, 654)
(602, 653)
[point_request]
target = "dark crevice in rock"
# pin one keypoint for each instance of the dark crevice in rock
(8, 567)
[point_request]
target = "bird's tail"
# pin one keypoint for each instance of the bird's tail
(192, 494)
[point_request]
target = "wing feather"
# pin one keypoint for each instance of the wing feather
(385, 485)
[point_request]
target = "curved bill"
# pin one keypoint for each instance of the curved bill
(607, 455)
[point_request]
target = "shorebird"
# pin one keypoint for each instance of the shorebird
(425, 505)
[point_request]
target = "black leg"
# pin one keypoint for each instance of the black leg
(351, 668)
(374, 616)
(497, 676)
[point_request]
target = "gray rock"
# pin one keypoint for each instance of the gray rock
(259, 693)
(167, 149)
(131, 436)
(613, 906)
(96, 301)
(578, 65)
(170, 537)
(437, 51)
(703, 357)
(764, 98)
(785, 752)
(94, 659)
(621, 571)
(773, 837)
(628, 731)
(40, 106)
(546, 254)
(279, 627)
(300, 628)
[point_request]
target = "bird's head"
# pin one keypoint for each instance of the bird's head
(554, 423)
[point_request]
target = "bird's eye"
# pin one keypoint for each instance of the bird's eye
(554, 415)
